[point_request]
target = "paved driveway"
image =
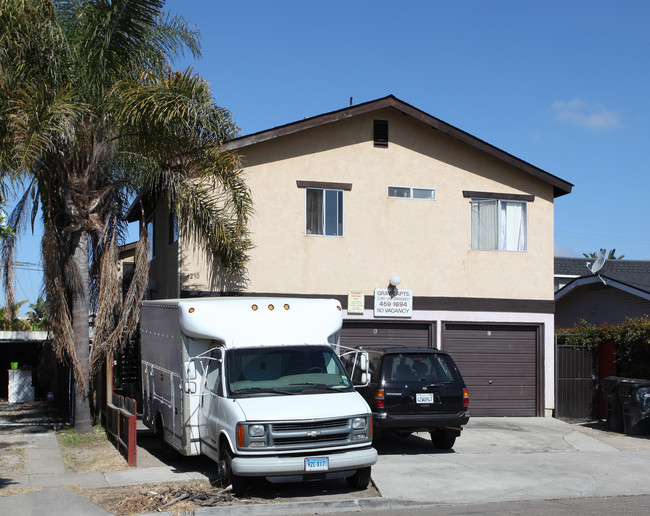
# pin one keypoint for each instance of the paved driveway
(512, 459)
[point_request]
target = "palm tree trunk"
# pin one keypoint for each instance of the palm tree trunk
(80, 325)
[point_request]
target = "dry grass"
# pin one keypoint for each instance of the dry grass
(11, 461)
(89, 453)
(11, 491)
(177, 497)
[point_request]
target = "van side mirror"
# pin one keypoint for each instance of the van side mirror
(363, 362)
(364, 369)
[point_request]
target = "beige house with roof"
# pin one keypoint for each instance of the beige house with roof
(347, 200)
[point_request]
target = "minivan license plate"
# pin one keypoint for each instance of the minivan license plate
(319, 464)
(424, 397)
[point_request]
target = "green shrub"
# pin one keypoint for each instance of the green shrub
(632, 340)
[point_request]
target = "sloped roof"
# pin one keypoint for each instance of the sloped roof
(630, 275)
(560, 187)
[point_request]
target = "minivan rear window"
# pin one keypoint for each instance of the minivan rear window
(430, 367)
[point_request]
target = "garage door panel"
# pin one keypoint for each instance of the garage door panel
(499, 348)
(385, 334)
(510, 381)
(503, 394)
(504, 355)
(495, 358)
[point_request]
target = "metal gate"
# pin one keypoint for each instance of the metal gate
(576, 382)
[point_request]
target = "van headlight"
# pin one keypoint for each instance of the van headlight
(256, 431)
(359, 423)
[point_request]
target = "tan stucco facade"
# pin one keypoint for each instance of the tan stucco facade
(427, 242)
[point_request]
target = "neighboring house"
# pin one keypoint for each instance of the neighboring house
(620, 289)
(345, 200)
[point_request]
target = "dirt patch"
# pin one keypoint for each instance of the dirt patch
(89, 453)
(178, 497)
(11, 461)
(11, 491)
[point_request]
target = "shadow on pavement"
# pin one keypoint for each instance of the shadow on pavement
(33, 417)
(391, 443)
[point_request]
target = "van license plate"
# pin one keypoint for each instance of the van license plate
(424, 397)
(320, 464)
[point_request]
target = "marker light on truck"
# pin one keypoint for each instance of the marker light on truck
(254, 307)
(286, 306)
(271, 307)
(240, 436)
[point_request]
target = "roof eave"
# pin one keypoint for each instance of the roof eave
(607, 281)
(560, 187)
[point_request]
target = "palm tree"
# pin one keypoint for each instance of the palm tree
(93, 113)
(610, 256)
(37, 316)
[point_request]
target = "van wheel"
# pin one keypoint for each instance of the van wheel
(360, 479)
(229, 478)
(443, 439)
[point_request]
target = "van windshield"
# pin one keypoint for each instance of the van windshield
(427, 367)
(285, 370)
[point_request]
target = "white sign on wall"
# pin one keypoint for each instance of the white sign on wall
(399, 305)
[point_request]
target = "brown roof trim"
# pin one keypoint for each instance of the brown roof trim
(453, 304)
(560, 186)
(502, 196)
(324, 184)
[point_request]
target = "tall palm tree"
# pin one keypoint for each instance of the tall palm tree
(93, 113)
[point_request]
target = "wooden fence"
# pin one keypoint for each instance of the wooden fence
(121, 424)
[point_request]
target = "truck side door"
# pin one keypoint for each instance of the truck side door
(210, 407)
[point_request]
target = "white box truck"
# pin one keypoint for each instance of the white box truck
(256, 385)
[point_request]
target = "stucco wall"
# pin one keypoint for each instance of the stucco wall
(426, 242)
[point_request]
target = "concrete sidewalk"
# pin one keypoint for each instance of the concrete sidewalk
(494, 460)
(43, 468)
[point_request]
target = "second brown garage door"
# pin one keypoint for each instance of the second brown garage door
(499, 365)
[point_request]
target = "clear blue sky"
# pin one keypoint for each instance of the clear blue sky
(562, 85)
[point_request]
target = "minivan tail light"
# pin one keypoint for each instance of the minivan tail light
(379, 398)
(465, 398)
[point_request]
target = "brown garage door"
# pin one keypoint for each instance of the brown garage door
(356, 333)
(499, 365)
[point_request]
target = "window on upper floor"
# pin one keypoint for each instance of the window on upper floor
(408, 192)
(499, 224)
(324, 212)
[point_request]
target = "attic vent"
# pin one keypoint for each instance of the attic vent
(381, 133)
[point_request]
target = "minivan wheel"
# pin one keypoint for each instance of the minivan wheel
(360, 479)
(229, 478)
(443, 439)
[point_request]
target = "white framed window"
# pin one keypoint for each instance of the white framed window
(324, 212)
(499, 224)
(410, 192)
